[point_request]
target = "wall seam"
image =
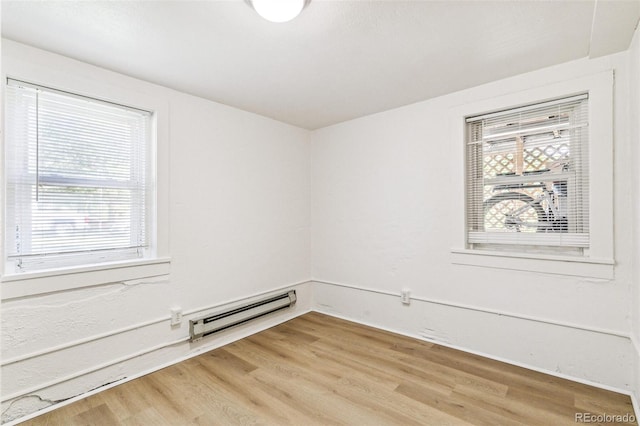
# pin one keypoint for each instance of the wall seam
(135, 327)
(83, 395)
(486, 310)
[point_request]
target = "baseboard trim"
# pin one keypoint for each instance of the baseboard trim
(193, 354)
(138, 326)
(485, 355)
(486, 310)
(204, 348)
(635, 396)
(636, 405)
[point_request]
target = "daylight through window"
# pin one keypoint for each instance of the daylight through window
(76, 179)
(527, 178)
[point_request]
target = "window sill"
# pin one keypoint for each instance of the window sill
(557, 265)
(53, 280)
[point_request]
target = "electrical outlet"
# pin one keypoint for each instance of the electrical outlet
(405, 296)
(176, 316)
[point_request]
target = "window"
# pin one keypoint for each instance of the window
(77, 179)
(527, 179)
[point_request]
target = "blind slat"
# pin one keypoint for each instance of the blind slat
(527, 176)
(76, 179)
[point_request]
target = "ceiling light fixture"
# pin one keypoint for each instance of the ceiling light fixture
(278, 10)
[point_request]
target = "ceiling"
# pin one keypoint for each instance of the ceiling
(337, 61)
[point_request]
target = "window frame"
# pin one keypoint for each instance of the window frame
(103, 85)
(574, 239)
(82, 255)
(598, 261)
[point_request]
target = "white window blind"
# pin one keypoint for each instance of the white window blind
(76, 179)
(528, 178)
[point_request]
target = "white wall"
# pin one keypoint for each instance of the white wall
(634, 53)
(385, 203)
(241, 194)
(235, 187)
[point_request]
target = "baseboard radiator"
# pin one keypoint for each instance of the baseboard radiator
(198, 328)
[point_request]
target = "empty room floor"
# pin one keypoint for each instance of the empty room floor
(317, 369)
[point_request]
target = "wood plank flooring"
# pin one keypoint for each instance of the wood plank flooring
(320, 370)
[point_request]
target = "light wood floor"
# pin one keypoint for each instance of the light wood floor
(320, 370)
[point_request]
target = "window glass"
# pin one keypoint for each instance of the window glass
(527, 177)
(76, 179)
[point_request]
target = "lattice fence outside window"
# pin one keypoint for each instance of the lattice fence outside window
(527, 174)
(534, 159)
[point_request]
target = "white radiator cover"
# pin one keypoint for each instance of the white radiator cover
(201, 327)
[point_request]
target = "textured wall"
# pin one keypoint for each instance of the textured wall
(634, 56)
(234, 188)
(385, 205)
(238, 224)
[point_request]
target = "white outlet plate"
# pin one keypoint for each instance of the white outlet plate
(176, 316)
(405, 296)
